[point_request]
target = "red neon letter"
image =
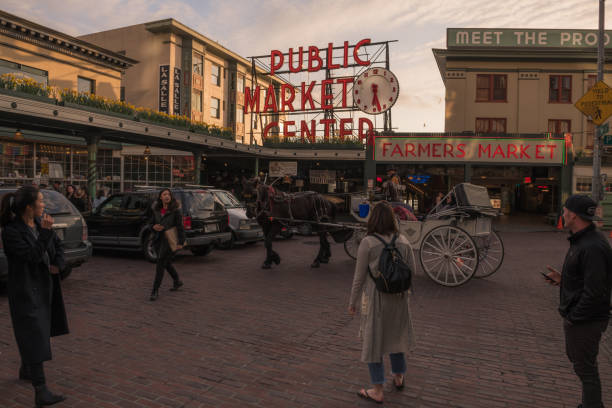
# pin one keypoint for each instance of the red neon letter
(356, 52)
(448, 149)
(365, 121)
(327, 123)
(327, 99)
(397, 150)
(267, 129)
(346, 54)
(300, 60)
(410, 150)
(289, 102)
(251, 99)
(273, 65)
(424, 149)
(313, 54)
(512, 151)
(286, 132)
(385, 145)
(345, 82)
(435, 147)
(310, 134)
(539, 154)
(343, 131)
(482, 150)
(270, 104)
(330, 57)
(552, 150)
(461, 148)
(307, 95)
(499, 151)
(523, 151)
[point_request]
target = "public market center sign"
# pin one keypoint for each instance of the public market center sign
(524, 38)
(470, 150)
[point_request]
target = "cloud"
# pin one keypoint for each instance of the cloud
(255, 27)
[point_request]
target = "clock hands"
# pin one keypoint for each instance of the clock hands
(375, 100)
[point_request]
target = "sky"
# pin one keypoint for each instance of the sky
(255, 27)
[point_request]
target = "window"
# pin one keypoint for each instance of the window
(196, 101)
(122, 94)
(560, 89)
(490, 125)
(85, 85)
(111, 206)
(584, 185)
(240, 114)
(138, 203)
(559, 126)
(16, 160)
(591, 81)
(198, 64)
(8, 67)
(215, 104)
(215, 75)
(491, 88)
(240, 86)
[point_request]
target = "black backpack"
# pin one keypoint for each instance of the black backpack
(395, 274)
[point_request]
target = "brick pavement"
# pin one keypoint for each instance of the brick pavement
(241, 336)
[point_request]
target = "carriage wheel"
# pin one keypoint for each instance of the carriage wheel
(352, 244)
(449, 255)
(490, 254)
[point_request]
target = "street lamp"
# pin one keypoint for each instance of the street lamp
(18, 135)
(147, 152)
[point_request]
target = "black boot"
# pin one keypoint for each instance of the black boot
(276, 258)
(44, 397)
(154, 295)
(177, 285)
(24, 373)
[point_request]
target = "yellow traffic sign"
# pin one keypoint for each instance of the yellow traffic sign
(597, 103)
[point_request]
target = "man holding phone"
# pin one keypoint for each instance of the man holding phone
(585, 286)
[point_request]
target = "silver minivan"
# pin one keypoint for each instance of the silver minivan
(244, 229)
(69, 225)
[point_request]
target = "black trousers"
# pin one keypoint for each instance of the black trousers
(582, 347)
(36, 372)
(164, 262)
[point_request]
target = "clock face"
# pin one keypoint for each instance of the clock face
(375, 91)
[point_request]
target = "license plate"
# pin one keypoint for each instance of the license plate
(210, 228)
(60, 233)
(260, 234)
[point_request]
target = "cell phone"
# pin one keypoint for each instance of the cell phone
(547, 277)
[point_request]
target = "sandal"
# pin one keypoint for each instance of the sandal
(363, 393)
(401, 386)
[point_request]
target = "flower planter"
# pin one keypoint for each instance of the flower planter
(96, 110)
(25, 95)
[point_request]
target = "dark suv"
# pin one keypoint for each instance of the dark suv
(120, 222)
(69, 226)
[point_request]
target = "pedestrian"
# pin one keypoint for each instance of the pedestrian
(80, 200)
(70, 190)
(386, 326)
(35, 259)
(100, 197)
(585, 287)
(57, 186)
(167, 224)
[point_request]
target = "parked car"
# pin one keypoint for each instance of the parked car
(244, 229)
(121, 221)
(69, 225)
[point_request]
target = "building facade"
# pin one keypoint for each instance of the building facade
(514, 81)
(182, 72)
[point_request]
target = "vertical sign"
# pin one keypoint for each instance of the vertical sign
(164, 88)
(176, 104)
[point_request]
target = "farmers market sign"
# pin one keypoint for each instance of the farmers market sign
(473, 150)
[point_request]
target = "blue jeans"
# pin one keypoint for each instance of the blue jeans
(377, 370)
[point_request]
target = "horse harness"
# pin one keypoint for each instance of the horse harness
(275, 197)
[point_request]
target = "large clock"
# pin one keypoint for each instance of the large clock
(375, 91)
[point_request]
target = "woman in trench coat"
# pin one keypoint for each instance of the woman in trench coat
(35, 258)
(386, 325)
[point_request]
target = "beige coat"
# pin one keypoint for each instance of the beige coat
(386, 326)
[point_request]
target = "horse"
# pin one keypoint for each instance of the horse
(267, 203)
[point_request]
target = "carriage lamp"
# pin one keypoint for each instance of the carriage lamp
(18, 135)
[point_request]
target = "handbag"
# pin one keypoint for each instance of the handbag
(172, 237)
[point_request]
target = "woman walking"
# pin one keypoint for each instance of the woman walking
(35, 258)
(386, 326)
(167, 225)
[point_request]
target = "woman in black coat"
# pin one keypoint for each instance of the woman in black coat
(167, 215)
(35, 258)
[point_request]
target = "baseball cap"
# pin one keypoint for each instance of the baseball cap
(583, 206)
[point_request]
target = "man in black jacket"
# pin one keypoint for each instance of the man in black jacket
(585, 281)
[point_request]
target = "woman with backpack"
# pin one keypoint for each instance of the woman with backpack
(167, 225)
(35, 258)
(386, 326)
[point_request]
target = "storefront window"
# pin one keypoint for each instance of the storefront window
(159, 170)
(53, 162)
(80, 164)
(183, 170)
(16, 161)
(109, 171)
(135, 171)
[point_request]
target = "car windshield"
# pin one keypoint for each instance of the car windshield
(228, 199)
(55, 203)
(198, 201)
